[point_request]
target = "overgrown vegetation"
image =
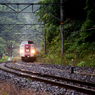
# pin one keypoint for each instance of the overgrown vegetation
(4, 59)
(79, 23)
(79, 40)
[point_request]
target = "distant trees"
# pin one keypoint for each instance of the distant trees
(8, 31)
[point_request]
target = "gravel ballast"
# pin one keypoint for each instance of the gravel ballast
(52, 69)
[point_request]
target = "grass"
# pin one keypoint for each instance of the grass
(86, 60)
(4, 59)
(82, 52)
(9, 89)
(14, 59)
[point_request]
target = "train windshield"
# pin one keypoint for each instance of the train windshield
(30, 42)
(27, 42)
(24, 42)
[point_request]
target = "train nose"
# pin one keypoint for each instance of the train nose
(27, 47)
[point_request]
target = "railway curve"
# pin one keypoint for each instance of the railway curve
(51, 79)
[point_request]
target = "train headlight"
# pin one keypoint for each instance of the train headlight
(33, 51)
(21, 51)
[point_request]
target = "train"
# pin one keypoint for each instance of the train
(27, 51)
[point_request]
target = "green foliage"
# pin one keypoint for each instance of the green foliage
(82, 63)
(89, 61)
(77, 45)
(4, 59)
(53, 58)
(89, 22)
(8, 31)
(70, 56)
(2, 46)
(52, 9)
(5, 93)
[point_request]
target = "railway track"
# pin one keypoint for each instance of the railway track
(81, 86)
(68, 71)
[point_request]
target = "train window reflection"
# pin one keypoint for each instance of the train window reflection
(24, 42)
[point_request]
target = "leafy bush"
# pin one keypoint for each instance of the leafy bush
(82, 63)
(4, 59)
(70, 56)
(91, 60)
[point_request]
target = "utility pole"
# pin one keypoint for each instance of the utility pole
(6, 46)
(62, 27)
(44, 38)
(11, 49)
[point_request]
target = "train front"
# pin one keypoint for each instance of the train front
(27, 50)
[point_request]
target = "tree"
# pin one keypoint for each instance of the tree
(89, 22)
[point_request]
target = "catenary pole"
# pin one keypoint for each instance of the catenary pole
(11, 49)
(6, 46)
(62, 27)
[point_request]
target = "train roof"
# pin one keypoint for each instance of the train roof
(27, 42)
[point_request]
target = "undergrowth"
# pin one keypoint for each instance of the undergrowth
(3, 59)
(13, 59)
(83, 54)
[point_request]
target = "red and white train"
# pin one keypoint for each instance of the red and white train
(27, 50)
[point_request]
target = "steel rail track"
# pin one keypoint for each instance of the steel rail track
(25, 74)
(53, 82)
(62, 70)
(51, 76)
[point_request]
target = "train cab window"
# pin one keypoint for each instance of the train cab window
(27, 42)
(24, 42)
(30, 42)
